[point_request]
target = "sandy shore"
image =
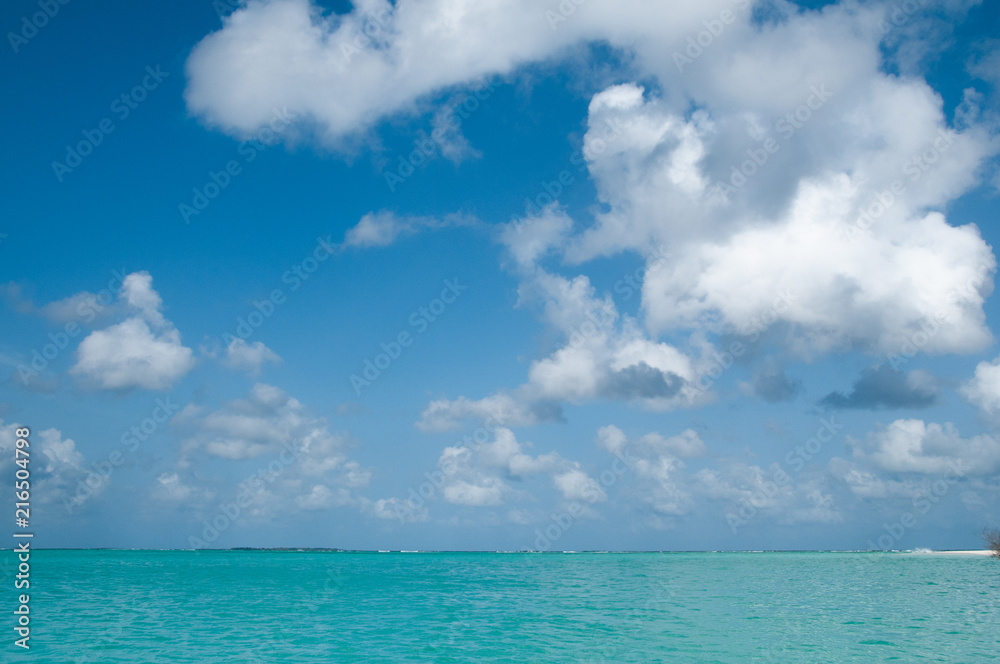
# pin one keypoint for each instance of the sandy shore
(977, 552)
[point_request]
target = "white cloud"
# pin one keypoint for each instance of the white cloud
(380, 229)
(657, 482)
(288, 53)
(804, 500)
(83, 307)
(249, 357)
(322, 497)
(144, 351)
(266, 421)
(481, 476)
(871, 291)
(60, 480)
(786, 227)
(685, 445)
(171, 488)
(987, 66)
(983, 390)
(455, 147)
(353, 475)
(915, 32)
(302, 464)
(604, 356)
(513, 410)
(475, 477)
(731, 259)
(913, 446)
(868, 483)
(612, 439)
(911, 460)
(577, 485)
(662, 489)
(137, 291)
(506, 454)
(485, 492)
(529, 239)
(130, 355)
(75, 307)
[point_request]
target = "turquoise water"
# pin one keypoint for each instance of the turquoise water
(174, 606)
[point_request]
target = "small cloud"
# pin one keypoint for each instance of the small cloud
(577, 485)
(884, 387)
(482, 476)
(983, 390)
(144, 351)
(658, 481)
(249, 357)
(60, 476)
(321, 497)
(686, 445)
(170, 488)
(512, 410)
(380, 229)
(455, 147)
(531, 238)
(986, 65)
(130, 355)
(612, 439)
(486, 492)
(83, 307)
(267, 420)
(913, 446)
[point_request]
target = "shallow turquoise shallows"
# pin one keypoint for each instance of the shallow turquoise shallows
(246, 606)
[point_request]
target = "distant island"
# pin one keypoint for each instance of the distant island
(287, 548)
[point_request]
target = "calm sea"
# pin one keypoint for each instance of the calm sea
(201, 607)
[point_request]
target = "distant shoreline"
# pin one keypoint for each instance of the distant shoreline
(970, 552)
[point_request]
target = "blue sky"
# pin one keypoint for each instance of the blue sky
(564, 262)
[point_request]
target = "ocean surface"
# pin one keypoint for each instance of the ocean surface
(261, 606)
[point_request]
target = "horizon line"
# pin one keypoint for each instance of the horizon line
(306, 549)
